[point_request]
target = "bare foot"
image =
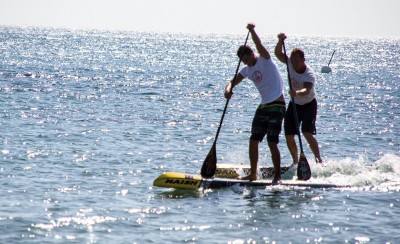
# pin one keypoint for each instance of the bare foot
(276, 181)
(248, 177)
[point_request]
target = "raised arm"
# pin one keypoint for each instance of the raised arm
(257, 41)
(278, 48)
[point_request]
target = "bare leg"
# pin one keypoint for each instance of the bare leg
(276, 160)
(291, 143)
(313, 146)
(253, 154)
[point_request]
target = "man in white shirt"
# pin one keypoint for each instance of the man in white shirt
(303, 91)
(270, 113)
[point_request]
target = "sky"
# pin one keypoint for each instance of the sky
(354, 18)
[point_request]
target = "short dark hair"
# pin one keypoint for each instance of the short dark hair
(244, 50)
(297, 51)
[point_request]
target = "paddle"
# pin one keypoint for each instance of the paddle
(303, 168)
(210, 163)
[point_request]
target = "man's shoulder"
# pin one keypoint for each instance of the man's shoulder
(266, 61)
(310, 72)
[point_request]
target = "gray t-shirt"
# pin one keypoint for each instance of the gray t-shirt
(298, 84)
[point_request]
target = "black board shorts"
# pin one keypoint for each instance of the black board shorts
(268, 121)
(307, 115)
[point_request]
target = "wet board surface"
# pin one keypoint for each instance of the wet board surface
(189, 181)
(232, 170)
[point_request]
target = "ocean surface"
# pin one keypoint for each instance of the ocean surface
(90, 118)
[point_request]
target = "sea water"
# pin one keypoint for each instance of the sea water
(90, 118)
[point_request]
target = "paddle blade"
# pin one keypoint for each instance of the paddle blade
(303, 168)
(210, 163)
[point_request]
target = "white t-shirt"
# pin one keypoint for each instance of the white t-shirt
(298, 83)
(266, 78)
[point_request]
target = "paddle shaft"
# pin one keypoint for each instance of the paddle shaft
(296, 119)
(227, 100)
(331, 57)
(210, 163)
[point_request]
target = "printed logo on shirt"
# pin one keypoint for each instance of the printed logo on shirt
(257, 76)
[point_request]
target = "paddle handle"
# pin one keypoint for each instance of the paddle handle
(296, 119)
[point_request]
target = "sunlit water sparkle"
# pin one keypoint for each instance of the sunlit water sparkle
(89, 119)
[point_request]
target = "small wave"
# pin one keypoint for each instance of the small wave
(382, 175)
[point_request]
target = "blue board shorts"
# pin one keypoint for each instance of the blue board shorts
(268, 121)
(307, 115)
